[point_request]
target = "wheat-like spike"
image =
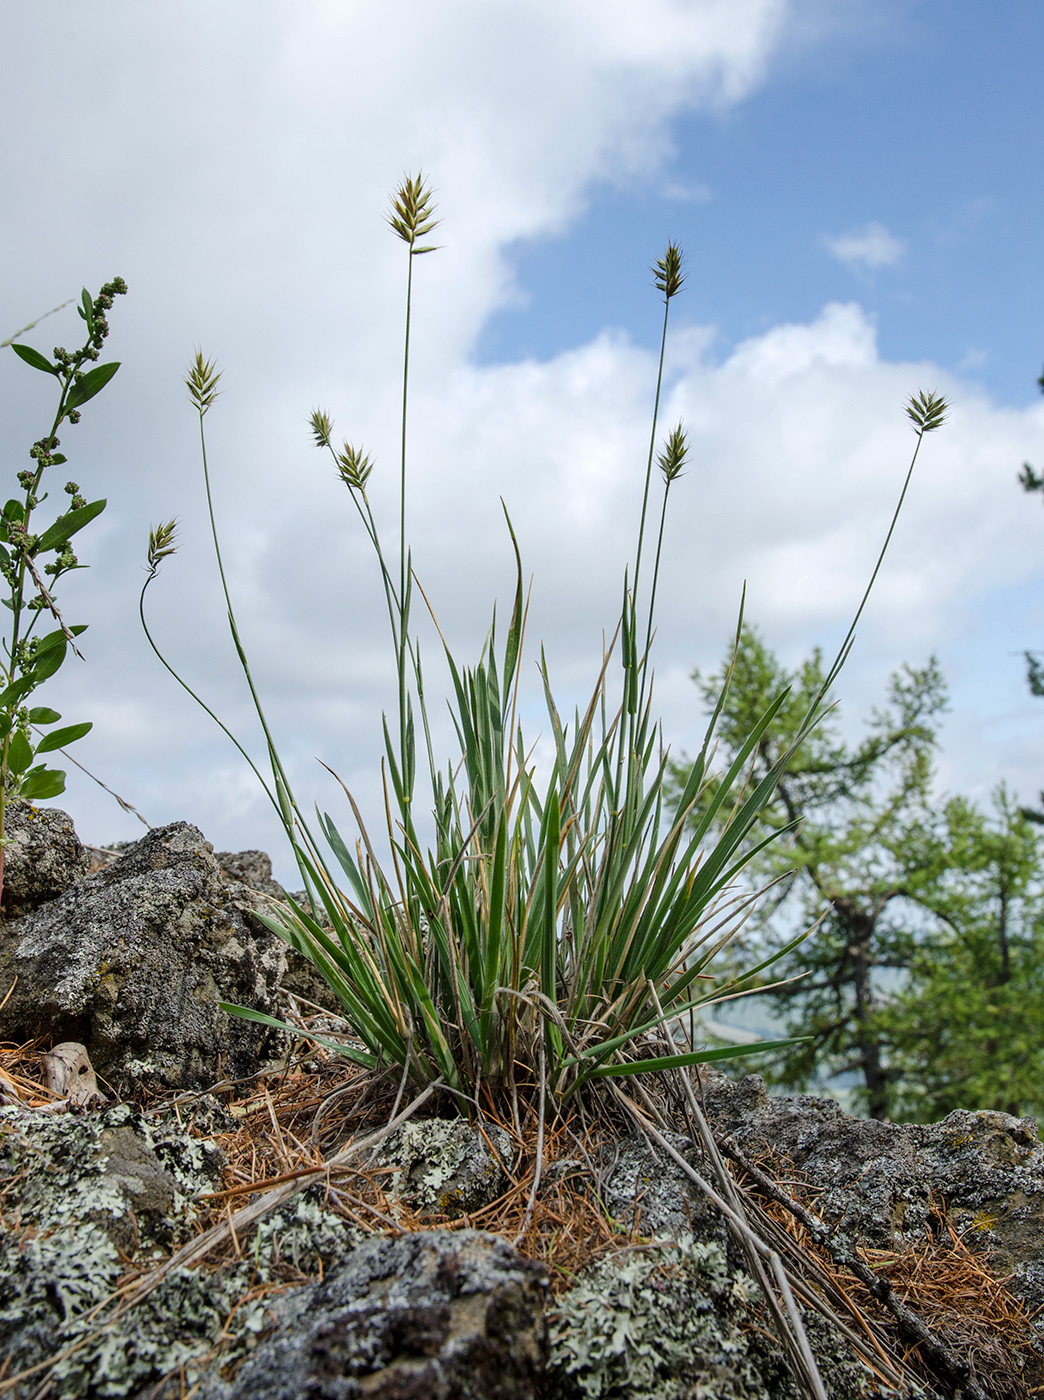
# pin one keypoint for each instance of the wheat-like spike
(927, 411)
(672, 458)
(668, 272)
(201, 382)
(354, 467)
(322, 427)
(162, 544)
(412, 213)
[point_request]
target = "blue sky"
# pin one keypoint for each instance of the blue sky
(857, 187)
(923, 116)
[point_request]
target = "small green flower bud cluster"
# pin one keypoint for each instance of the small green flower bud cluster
(43, 452)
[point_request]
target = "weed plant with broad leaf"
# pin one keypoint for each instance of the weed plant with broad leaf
(551, 932)
(31, 655)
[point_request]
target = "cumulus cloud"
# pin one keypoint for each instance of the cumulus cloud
(239, 184)
(867, 248)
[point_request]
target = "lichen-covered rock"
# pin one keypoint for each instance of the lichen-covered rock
(646, 1190)
(251, 869)
(446, 1166)
(251, 888)
(450, 1316)
(676, 1322)
(132, 962)
(133, 1177)
(653, 1324)
(93, 1192)
(89, 1192)
(42, 858)
(875, 1182)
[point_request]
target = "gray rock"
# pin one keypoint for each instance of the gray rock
(133, 1177)
(92, 1192)
(645, 1189)
(429, 1316)
(88, 1191)
(249, 874)
(252, 869)
(132, 962)
(42, 858)
(875, 1182)
(446, 1166)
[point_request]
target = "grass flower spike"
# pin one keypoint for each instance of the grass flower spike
(162, 544)
(927, 411)
(667, 272)
(412, 215)
(201, 382)
(672, 458)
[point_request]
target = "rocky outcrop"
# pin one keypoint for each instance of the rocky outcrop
(132, 963)
(43, 857)
(133, 960)
(436, 1314)
(875, 1183)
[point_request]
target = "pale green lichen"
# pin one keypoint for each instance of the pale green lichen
(446, 1166)
(660, 1323)
(678, 1321)
(52, 1279)
(304, 1236)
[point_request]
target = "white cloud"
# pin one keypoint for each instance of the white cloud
(238, 184)
(867, 248)
(688, 193)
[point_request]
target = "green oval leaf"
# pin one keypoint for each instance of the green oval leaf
(67, 525)
(19, 753)
(86, 309)
(17, 691)
(42, 715)
(58, 738)
(34, 358)
(45, 665)
(57, 638)
(42, 783)
(93, 382)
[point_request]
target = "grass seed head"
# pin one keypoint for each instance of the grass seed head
(162, 544)
(412, 213)
(668, 272)
(672, 458)
(322, 426)
(927, 411)
(202, 383)
(354, 467)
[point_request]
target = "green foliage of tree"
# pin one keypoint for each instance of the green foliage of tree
(924, 915)
(967, 1029)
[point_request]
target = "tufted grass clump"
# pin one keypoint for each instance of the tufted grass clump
(554, 931)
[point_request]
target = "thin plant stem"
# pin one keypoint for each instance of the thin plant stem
(845, 646)
(198, 699)
(652, 449)
(278, 771)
